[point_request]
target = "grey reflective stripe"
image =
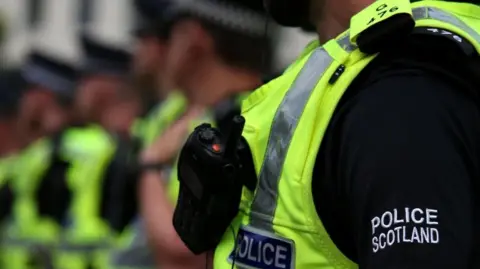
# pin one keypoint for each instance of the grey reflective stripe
(137, 254)
(290, 110)
(34, 248)
(133, 258)
(69, 247)
(441, 15)
(22, 242)
(281, 133)
(345, 43)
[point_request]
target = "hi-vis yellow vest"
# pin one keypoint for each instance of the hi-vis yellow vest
(278, 226)
(86, 238)
(26, 228)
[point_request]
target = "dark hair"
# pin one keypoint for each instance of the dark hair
(235, 47)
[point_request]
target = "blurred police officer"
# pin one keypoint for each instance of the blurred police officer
(43, 115)
(162, 108)
(149, 53)
(217, 51)
(148, 65)
(367, 149)
(87, 235)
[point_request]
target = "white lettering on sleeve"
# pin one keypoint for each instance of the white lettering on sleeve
(395, 217)
(414, 219)
(375, 244)
(434, 236)
(405, 226)
(431, 216)
(381, 241)
(387, 219)
(375, 224)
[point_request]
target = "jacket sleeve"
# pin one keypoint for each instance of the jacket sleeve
(410, 164)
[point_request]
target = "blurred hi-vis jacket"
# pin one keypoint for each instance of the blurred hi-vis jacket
(49, 184)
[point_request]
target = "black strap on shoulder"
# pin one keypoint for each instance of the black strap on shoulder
(383, 35)
(119, 185)
(224, 113)
(6, 200)
(57, 140)
(53, 195)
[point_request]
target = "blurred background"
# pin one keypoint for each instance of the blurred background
(22, 17)
(77, 112)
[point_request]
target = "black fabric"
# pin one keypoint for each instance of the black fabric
(53, 195)
(119, 189)
(224, 112)
(12, 86)
(104, 59)
(148, 14)
(6, 200)
(405, 135)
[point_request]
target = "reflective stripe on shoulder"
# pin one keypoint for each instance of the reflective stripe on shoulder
(281, 133)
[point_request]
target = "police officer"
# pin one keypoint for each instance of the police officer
(162, 107)
(50, 83)
(367, 148)
(214, 56)
(87, 233)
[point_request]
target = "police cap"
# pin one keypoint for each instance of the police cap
(246, 16)
(50, 73)
(150, 15)
(101, 58)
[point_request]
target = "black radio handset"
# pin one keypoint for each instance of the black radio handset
(211, 176)
(234, 137)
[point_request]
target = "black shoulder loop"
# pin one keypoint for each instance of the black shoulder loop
(384, 34)
(53, 195)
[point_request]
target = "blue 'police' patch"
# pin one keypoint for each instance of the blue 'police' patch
(259, 249)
